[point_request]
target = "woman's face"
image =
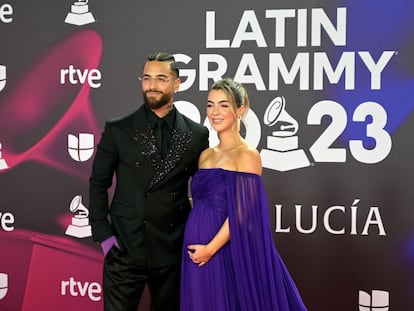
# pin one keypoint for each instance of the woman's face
(220, 111)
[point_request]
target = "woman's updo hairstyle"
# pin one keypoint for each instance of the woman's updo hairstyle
(236, 93)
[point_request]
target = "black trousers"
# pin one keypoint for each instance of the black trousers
(124, 283)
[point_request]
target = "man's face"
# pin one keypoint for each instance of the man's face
(158, 84)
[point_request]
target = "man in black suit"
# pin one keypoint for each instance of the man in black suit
(152, 152)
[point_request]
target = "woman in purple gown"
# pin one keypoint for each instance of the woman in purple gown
(230, 262)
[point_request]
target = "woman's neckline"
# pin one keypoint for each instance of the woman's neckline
(227, 170)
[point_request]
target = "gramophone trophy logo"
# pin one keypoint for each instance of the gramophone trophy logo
(79, 14)
(282, 153)
(79, 227)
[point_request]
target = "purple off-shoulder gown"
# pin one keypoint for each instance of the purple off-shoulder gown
(247, 274)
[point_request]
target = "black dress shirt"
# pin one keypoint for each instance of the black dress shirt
(162, 128)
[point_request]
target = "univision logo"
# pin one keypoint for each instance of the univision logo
(378, 300)
(3, 285)
(81, 148)
(2, 77)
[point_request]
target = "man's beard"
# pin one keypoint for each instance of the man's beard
(154, 103)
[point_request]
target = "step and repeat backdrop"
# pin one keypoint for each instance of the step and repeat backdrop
(331, 85)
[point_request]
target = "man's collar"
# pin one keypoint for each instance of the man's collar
(153, 118)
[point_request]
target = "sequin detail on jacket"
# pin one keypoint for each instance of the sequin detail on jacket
(145, 139)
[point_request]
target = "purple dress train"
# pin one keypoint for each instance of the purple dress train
(247, 274)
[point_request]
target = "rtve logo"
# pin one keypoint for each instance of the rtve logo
(75, 76)
(378, 300)
(6, 13)
(76, 288)
(81, 148)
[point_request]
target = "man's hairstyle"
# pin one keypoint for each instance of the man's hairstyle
(165, 57)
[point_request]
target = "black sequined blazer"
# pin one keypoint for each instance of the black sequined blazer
(149, 204)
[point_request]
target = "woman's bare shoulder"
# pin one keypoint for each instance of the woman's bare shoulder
(249, 161)
(204, 156)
